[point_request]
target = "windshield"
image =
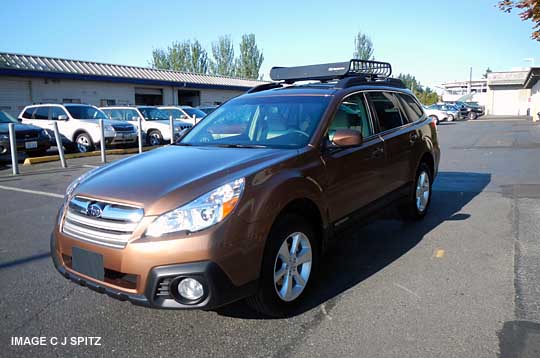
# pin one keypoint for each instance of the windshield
(153, 114)
(7, 118)
(85, 112)
(274, 121)
(194, 112)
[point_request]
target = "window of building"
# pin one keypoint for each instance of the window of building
(107, 102)
(71, 100)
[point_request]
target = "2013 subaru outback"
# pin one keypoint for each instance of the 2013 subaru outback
(245, 203)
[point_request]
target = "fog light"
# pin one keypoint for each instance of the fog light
(190, 289)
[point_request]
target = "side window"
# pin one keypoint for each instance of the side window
(28, 112)
(57, 111)
(387, 110)
(352, 114)
(412, 110)
(41, 113)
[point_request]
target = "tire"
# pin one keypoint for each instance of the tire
(419, 199)
(273, 298)
(154, 138)
(450, 118)
(472, 116)
(83, 143)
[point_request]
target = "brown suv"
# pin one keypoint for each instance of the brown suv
(245, 203)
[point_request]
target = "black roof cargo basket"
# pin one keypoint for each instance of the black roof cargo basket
(332, 71)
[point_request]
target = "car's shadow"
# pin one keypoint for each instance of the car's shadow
(365, 250)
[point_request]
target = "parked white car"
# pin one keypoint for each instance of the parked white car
(155, 122)
(78, 125)
(440, 116)
(184, 114)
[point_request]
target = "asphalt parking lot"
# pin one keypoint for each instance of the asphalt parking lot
(464, 282)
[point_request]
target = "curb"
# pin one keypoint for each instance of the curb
(53, 158)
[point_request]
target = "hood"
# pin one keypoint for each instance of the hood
(4, 127)
(165, 178)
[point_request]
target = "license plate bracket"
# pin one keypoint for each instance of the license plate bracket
(88, 263)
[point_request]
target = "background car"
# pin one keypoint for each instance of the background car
(207, 109)
(185, 114)
(31, 140)
(154, 121)
(452, 111)
(470, 110)
(436, 114)
(78, 125)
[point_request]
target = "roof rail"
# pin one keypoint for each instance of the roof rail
(332, 71)
(264, 87)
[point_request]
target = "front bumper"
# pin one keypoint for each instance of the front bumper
(122, 138)
(159, 291)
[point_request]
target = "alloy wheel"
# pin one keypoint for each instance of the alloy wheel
(423, 191)
(83, 144)
(292, 266)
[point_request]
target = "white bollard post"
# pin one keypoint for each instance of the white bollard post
(102, 141)
(13, 148)
(59, 145)
(171, 123)
(139, 130)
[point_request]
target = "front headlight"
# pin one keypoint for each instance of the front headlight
(201, 213)
(4, 137)
(108, 128)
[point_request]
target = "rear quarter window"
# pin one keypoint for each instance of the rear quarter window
(41, 113)
(412, 110)
(28, 112)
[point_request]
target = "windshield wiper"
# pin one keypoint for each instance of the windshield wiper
(241, 145)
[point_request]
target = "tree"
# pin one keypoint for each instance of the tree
(363, 47)
(223, 62)
(530, 11)
(425, 95)
(199, 58)
(184, 56)
(250, 59)
(488, 71)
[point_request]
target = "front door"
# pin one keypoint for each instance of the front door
(353, 174)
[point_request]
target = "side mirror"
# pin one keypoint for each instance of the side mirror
(347, 138)
(62, 117)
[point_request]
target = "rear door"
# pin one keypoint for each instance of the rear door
(392, 126)
(40, 118)
(353, 174)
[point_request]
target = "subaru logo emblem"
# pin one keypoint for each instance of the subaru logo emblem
(94, 210)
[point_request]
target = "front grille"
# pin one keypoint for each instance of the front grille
(102, 223)
(185, 126)
(27, 135)
(123, 128)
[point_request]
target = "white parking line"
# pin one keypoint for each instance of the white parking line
(44, 193)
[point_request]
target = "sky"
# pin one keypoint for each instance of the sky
(436, 41)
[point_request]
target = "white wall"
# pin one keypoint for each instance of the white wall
(209, 97)
(535, 100)
(40, 90)
(511, 100)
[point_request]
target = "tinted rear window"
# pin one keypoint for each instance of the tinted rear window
(411, 107)
(386, 109)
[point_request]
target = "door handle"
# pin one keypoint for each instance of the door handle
(413, 137)
(377, 152)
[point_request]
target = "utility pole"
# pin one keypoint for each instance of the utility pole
(470, 82)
